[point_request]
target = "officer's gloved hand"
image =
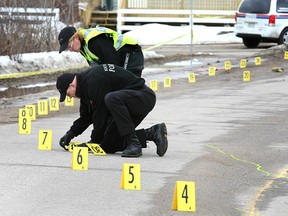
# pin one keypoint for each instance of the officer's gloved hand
(65, 140)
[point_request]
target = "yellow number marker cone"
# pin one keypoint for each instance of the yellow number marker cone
(286, 55)
(227, 65)
(24, 122)
(243, 63)
(167, 82)
(184, 196)
(42, 107)
(54, 104)
(277, 69)
(212, 71)
(96, 149)
(31, 110)
(80, 158)
(191, 78)
(154, 85)
(69, 101)
(258, 61)
(45, 140)
(130, 179)
(246, 76)
(72, 145)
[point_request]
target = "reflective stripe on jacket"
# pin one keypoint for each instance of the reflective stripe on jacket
(119, 40)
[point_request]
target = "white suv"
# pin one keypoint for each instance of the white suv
(262, 21)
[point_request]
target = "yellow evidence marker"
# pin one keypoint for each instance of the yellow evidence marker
(191, 78)
(24, 122)
(184, 196)
(45, 140)
(54, 104)
(212, 71)
(243, 63)
(96, 149)
(246, 76)
(72, 145)
(258, 61)
(167, 82)
(277, 69)
(42, 107)
(227, 65)
(80, 158)
(31, 110)
(286, 55)
(130, 177)
(154, 85)
(69, 101)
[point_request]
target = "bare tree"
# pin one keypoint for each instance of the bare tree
(31, 26)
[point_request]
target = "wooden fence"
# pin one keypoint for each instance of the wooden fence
(130, 19)
(32, 15)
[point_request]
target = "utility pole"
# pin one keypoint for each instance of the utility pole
(191, 30)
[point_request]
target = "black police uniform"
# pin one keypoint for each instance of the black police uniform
(129, 56)
(115, 101)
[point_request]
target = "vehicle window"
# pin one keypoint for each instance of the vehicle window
(282, 6)
(255, 6)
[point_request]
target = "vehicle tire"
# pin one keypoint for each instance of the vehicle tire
(251, 42)
(283, 37)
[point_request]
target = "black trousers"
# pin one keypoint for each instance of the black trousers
(128, 108)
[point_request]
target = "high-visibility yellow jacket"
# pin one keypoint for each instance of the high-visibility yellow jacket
(119, 40)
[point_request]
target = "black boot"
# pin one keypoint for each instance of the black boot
(158, 134)
(134, 148)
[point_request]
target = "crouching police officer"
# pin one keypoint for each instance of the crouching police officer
(115, 101)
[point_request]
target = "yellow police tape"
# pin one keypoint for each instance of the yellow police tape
(25, 74)
(33, 73)
(166, 42)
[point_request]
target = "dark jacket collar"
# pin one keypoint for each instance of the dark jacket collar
(80, 86)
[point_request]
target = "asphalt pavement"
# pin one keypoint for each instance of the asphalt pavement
(225, 135)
